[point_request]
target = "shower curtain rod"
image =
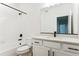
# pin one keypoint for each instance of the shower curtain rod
(13, 8)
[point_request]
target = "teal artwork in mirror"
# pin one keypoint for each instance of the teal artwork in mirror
(62, 24)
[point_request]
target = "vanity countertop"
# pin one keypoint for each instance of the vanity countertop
(57, 39)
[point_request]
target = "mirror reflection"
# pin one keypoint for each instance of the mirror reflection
(62, 24)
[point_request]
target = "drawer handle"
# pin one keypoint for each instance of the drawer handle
(53, 53)
(74, 49)
(48, 53)
(36, 42)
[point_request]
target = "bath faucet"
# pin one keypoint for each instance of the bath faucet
(55, 34)
(20, 38)
(21, 35)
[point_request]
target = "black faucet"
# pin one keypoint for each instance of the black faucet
(55, 34)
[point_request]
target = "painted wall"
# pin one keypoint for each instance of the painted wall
(8, 28)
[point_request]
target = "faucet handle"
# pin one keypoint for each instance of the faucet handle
(21, 35)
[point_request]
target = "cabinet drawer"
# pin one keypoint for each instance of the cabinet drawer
(58, 52)
(37, 42)
(51, 44)
(71, 48)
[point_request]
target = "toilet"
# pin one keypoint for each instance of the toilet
(24, 50)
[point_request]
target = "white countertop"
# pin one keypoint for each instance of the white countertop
(57, 39)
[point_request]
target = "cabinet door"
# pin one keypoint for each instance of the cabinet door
(40, 51)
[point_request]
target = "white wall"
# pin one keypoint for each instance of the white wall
(8, 28)
(12, 24)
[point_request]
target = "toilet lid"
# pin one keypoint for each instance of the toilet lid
(23, 48)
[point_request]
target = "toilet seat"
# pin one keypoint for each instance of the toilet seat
(23, 49)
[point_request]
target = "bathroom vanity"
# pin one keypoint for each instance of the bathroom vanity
(59, 19)
(55, 46)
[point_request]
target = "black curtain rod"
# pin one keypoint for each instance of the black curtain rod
(13, 8)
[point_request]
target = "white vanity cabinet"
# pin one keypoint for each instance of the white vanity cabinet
(62, 49)
(42, 47)
(39, 49)
(55, 47)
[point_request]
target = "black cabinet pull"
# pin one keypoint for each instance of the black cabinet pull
(73, 49)
(36, 42)
(53, 53)
(48, 53)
